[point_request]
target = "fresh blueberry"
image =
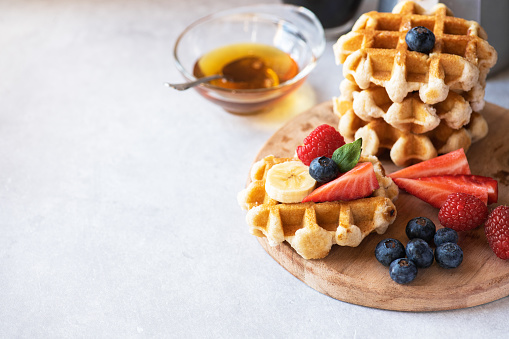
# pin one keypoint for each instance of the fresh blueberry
(402, 271)
(422, 228)
(389, 250)
(449, 255)
(420, 39)
(444, 235)
(419, 251)
(323, 169)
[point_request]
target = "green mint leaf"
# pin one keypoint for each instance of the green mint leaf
(348, 155)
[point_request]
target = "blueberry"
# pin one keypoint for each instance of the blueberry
(323, 169)
(420, 39)
(402, 271)
(444, 235)
(421, 228)
(389, 250)
(449, 255)
(419, 251)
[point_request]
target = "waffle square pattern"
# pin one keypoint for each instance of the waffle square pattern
(312, 228)
(411, 131)
(415, 105)
(375, 52)
(410, 115)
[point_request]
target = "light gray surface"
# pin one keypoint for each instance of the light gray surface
(118, 212)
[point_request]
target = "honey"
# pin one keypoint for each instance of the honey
(247, 66)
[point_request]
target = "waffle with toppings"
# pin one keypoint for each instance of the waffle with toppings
(414, 82)
(312, 228)
(375, 52)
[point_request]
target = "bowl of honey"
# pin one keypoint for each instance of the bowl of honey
(258, 54)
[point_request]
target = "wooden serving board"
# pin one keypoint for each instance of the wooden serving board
(355, 276)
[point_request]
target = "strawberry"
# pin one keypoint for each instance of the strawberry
(468, 180)
(488, 182)
(435, 192)
(451, 163)
(497, 231)
(357, 183)
(462, 212)
(321, 142)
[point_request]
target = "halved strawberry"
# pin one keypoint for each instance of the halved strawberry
(490, 184)
(357, 183)
(435, 192)
(451, 163)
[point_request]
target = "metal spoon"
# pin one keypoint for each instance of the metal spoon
(187, 85)
(239, 70)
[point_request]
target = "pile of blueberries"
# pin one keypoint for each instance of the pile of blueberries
(404, 262)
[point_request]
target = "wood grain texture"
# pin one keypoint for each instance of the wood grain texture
(355, 276)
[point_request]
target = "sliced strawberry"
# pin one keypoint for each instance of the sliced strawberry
(357, 183)
(451, 163)
(435, 192)
(490, 184)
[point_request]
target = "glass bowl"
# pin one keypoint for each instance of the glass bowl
(292, 29)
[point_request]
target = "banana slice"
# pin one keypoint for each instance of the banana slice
(289, 182)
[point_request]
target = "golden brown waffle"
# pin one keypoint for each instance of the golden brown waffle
(254, 194)
(405, 147)
(411, 115)
(375, 52)
(312, 228)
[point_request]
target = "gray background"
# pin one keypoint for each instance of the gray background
(118, 212)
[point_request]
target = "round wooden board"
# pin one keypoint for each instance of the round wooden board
(355, 276)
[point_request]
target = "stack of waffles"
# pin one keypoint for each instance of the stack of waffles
(414, 104)
(312, 228)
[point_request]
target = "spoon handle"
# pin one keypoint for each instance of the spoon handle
(186, 85)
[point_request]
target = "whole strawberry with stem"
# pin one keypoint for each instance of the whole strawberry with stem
(497, 231)
(462, 212)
